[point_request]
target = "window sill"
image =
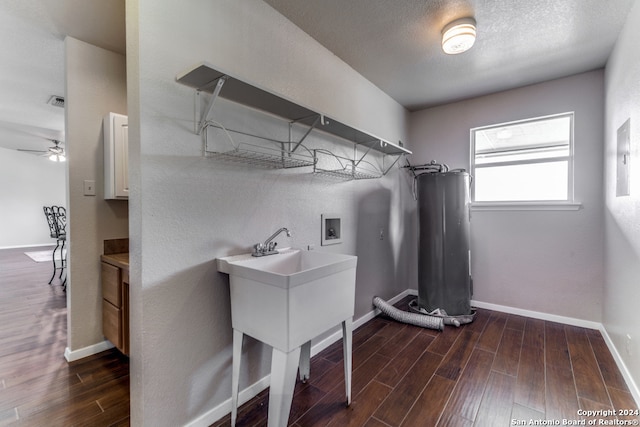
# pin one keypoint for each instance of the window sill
(526, 206)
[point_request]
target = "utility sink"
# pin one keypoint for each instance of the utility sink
(286, 299)
(288, 268)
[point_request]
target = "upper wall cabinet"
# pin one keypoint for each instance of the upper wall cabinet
(205, 78)
(116, 157)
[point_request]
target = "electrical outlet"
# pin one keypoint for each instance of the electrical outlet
(311, 247)
(628, 345)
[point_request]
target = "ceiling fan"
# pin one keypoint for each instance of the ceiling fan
(54, 153)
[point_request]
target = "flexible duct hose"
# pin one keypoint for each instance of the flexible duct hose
(448, 320)
(422, 320)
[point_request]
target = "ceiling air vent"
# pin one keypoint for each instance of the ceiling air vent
(56, 101)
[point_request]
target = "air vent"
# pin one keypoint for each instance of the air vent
(56, 101)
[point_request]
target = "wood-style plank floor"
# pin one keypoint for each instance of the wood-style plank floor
(498, 371)
(37, 385)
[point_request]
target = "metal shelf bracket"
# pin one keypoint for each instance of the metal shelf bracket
(319, 119)
(201, 121)
(355, 148)
(392, 164)
(383, 170)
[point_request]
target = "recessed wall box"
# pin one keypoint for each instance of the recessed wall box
(331, 229)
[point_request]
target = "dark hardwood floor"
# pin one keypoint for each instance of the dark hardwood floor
(37, 385)
(499, 370)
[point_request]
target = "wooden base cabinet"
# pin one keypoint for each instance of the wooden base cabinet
(115, 306)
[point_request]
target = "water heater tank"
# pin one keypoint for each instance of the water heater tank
(444, 273)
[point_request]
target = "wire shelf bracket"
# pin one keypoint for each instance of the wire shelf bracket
(319, 119)
(202, 122)
(202, 118)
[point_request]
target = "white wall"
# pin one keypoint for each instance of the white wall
(28, 183)
(95, 84)
(545, 261)
(186, 210)
(622, 214)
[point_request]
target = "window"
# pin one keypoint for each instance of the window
(525, 161)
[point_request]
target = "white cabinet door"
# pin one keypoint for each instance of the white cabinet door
(116, 157)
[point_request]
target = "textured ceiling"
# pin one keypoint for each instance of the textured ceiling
(396, 43)
(393, 43)
(32, 44)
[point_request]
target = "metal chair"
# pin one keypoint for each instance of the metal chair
(57, 221)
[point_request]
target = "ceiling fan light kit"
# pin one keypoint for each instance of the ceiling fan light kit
(55, 153)
(458, 36)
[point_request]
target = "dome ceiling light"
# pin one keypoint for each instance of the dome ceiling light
(458, 36)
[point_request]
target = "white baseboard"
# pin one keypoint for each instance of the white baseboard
(213, 415)
(633, 387)
(35, 245)
(537, 315)
(250, 392)
(73, 355)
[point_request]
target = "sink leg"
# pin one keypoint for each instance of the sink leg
(347, 329)
(305, 361)
(283, 380)
(235, 376)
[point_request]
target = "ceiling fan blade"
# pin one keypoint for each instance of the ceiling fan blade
(32, 151)
(32, 131)
(16, 135)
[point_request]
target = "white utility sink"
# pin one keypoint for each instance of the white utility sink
(285, 300)
(289, 268)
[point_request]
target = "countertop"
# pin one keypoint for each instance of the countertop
(119, 260)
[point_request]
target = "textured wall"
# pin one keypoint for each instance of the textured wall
(29, 183)
(622, 291)
(95, 85)
(186, 210)
(546, 261)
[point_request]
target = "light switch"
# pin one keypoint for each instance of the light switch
(622, 162)
(89, 187)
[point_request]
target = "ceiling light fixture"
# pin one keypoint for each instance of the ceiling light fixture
(57, 158)
(458, 36)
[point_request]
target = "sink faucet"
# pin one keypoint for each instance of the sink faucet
(269, 247)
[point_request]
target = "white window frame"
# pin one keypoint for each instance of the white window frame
(568, 204)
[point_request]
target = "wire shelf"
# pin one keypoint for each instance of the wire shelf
(342, 168)
(263, 156)
(287, 154)
(281, 160)
(205, 77)
(346, 174)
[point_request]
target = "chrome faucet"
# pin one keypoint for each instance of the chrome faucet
(269, 247)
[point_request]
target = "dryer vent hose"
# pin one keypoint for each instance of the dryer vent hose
(423, 320)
